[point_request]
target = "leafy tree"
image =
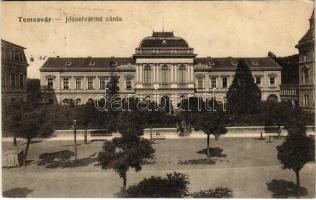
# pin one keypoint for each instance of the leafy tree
(277, 114)
(173, 186)
(33, 124)
(205, 116)
(129, 150)
(112, 90)
(34, 91)
(13, 117)
(85, 116)
(298, 148)
(243, 96)
(211, 122)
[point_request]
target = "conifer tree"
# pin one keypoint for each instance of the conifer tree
(243, 96)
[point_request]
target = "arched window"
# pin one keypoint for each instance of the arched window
(272, 98)
(147, 74)
(164, 76)
(182, 74)
(77, 101)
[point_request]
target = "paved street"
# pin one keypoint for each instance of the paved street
(248, 166)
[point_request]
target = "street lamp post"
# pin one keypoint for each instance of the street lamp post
(75, 138)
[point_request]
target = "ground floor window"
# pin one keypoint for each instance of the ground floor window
(272, 98)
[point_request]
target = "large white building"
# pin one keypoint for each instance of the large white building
(162, 65)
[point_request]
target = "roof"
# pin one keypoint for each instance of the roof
(309, 35)
(4, 42)
(110, 63)
(85, 63)
(230, 63)
(163, 39)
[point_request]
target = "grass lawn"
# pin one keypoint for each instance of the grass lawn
(246, 165)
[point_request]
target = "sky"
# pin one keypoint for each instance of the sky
(212, 28)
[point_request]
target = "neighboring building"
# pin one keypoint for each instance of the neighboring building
(13, 72)
(306, 69)
(163, 65)
(290, 77)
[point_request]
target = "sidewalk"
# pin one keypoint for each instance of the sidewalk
(154, 136)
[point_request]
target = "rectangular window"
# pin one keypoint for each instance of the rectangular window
(213, 82)
(50, 84)
(90, 83)
(200, 84)
(306, 100)
(66, 83)
(78, 83)
(128, 84)
(224, 82)
(17, 56)
(258, 80)
(272, 81)
(12, 81)
(21, 81)
(102, 83)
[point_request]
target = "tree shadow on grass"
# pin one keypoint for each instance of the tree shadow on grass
(285, 189)
(214, 152)
(62, 159)
(17, 192)
(197, 162)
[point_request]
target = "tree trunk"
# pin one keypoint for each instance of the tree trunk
(26, 150)
(14, 140)
(85, 135)
(298, 185)
(208, 146)
(151, 133)
(124, 180)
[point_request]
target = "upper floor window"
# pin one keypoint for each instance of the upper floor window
(272, 81)
(164, 74)
(147, 74)
(224, 82)
(200, 84)
(128, 84)
(90, 83)
(66, 83)
(68, 63)
(78, 83)
(213, 82)
(258, 80)
(182, 74)
(21, 81)
(305, 76)
(12, 81)
(50, 83)
(17, 56)
(102, 83)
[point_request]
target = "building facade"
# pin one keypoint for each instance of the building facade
(306, 69)
(162, 65)
(13, 72)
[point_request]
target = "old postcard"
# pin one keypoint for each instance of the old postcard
(158, 99)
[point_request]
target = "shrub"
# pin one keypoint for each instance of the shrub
(219, 192)
(173, 186)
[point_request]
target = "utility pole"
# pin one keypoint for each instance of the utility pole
(75, 138)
